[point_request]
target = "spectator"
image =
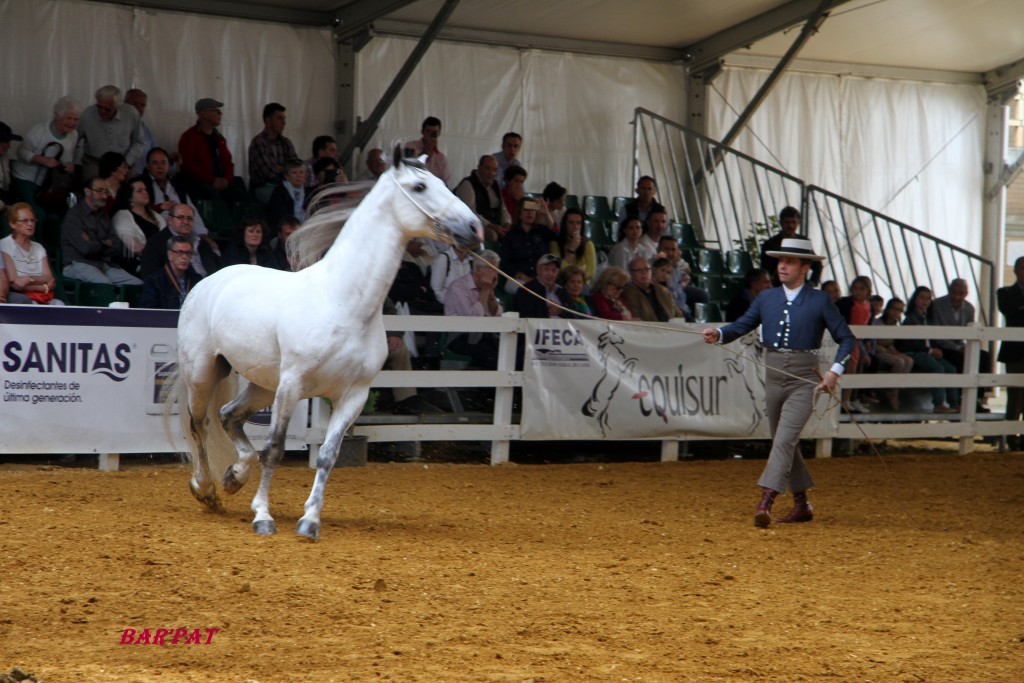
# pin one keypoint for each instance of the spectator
(8, 196)
(27, 274)
(289, 197)
(514, 187)
(573, 247)
(479, 191)
(110, 125)
(553, 199)
(606, 295)
(269, 151)
(207, 167)
(139, 100)
(888, 357)
(685, 293)
(250, 246)
(789, 227)
(507, 156)
(437, 162)
(473, 294)
(180, 222)
(1010, 300)
(325, 171)
(830, 286)
(573, 280)
(641, 206)
(655, 227)
(46, 156)
(324, 147)
(449, 265)
(649, 301)
(629, 246)
(524, 244)
(877, 306)
(167, 287)
(278, 258)
(88, 241)
(954, 310)
(134, 222)
(407, 401)
(926, 358)
(165, 192)
(755, 281)
(856, 311)
(375, 165)
(542, 296)
(113, 171)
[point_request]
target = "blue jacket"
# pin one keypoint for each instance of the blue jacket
(810, 313)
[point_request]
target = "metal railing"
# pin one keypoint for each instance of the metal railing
(731, 199)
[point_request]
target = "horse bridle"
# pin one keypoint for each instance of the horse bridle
(434, 220)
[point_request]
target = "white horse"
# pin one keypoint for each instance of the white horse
(317, 332)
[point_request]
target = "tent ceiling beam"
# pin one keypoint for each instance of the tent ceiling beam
(1003, 82)
(706, 54)
(369, 126)
(233, 8)
(811, 27)
(530, 42)
(358, 16)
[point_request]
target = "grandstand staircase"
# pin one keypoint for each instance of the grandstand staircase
(724, 204)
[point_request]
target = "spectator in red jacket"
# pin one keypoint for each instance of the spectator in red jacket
(206, 162)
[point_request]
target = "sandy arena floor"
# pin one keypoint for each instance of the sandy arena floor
(589, 572)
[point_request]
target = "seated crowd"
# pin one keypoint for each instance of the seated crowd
(137, 222)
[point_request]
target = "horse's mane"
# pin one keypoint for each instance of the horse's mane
(329, 209)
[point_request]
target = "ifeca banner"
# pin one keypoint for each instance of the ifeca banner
(604, 380)
(89, 380)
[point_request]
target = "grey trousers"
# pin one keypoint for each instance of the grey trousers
(789, 402)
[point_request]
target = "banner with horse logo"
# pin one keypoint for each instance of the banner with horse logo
(89, 380)
(605, 380)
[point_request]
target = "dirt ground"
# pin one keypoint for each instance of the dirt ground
(911, 571)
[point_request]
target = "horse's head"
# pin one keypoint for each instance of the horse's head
(430, 209)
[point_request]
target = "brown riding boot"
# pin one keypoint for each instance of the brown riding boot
(763, 515)
(802, 510)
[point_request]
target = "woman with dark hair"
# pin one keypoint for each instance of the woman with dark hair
(250, 245)
(926, 358)
(888, 356)
(134, 222)
(629, 244)
(515, 188)
(113, 169)
(573, 247)
(856, 310)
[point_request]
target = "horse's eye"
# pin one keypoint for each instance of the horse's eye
(419, 187)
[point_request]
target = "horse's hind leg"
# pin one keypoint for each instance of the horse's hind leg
(233, 416)
(200, 382)
(345, 411)
(270, 458)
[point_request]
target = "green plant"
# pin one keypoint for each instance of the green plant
(759, 232)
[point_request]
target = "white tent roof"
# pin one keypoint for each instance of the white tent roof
(970, 36)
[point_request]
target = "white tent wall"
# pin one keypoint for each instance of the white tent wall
(912, 150)
(573, 110)
(52, 48)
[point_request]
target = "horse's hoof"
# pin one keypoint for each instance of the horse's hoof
(209, 499)
(310, 530)
(232, 484)
(264, 527)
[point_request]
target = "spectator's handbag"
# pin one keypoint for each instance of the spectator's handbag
(57, 182)
(40, 297)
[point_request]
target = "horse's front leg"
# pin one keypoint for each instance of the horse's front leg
(270, 458)
(346, 409)
(233, 416)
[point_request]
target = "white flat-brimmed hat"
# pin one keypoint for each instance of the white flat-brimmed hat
(798, 247)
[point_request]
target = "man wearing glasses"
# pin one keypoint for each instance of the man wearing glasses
(180, 223)
(647, 299)
(168, 287)
(89, 242)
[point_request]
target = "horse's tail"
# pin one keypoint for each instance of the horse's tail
(220, 450)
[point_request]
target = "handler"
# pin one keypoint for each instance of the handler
(793, 318)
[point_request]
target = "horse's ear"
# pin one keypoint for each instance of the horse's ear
(397, 156)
